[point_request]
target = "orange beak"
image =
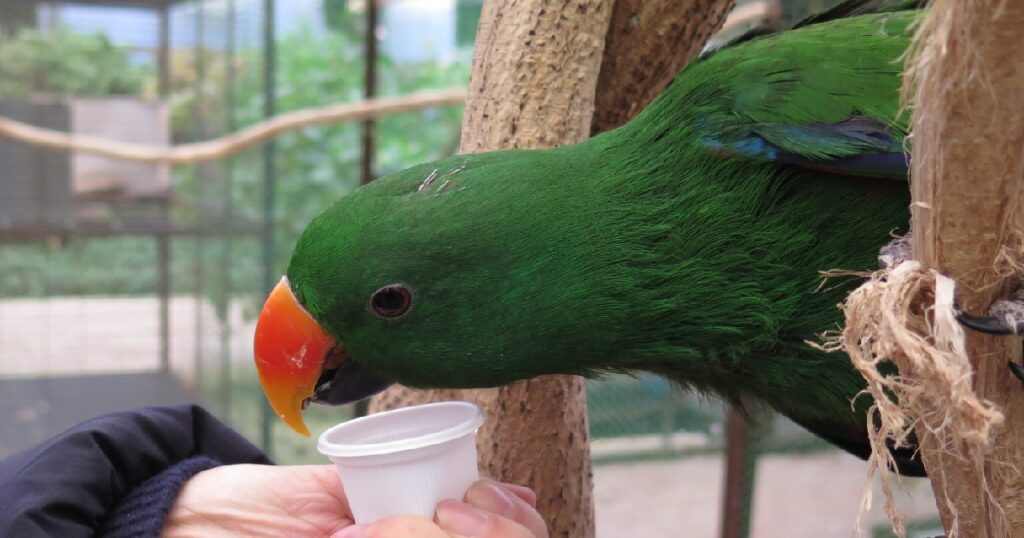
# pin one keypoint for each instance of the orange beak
(290, 349)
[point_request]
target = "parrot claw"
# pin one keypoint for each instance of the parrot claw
(896, 251)
(1005, 317)
(990, 324)
(1017, 370)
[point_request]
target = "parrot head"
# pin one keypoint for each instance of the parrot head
(468, 272)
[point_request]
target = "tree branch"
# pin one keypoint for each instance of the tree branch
(243, 139)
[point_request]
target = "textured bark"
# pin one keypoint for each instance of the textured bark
(968, 172)
(648, 43)
(535, 68)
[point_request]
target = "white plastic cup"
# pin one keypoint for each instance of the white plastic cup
(407, 460)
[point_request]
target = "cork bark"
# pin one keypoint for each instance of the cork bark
(535, 68)
(648, 43)
(968, 178)
(536, 71)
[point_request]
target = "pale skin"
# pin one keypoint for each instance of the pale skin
(308, 501)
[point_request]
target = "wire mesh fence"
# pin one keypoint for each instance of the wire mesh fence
(126, 284)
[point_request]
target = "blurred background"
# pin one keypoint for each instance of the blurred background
(125, 284)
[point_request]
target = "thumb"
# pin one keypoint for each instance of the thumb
(325, 474)
(461, 519)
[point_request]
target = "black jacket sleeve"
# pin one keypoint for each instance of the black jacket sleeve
(70, 485)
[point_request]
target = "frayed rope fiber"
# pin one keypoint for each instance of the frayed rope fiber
(904, 317)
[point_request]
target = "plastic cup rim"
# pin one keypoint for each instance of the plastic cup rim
(342, 450)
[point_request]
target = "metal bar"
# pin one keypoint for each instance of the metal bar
(369, 87)
(163, 60)
(163, 241)
(739, 476)
(667, 421)
(225, 286)
(199, 63)
(199, 126)
(163, 257)
(269, 165)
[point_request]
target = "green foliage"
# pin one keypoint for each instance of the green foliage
(91, 266)
(64, 63)
(467, 15)
(78, 267)
(338, 17)
(198, 97)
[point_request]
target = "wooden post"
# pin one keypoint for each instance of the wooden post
(968, 177)
(535, 75)
(738, 482)
(648, 43)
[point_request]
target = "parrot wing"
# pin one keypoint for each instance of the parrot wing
(823, 97)
(852, 8)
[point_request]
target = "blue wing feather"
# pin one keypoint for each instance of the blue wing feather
(857, 146)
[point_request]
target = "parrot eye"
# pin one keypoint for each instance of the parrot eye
(391, 301)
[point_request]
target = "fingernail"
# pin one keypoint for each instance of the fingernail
(488, 496)
(522, 492)
(461, 518)
(354, 531)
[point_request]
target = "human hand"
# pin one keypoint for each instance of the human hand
(274, 501)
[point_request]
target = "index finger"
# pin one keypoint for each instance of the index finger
(498, 499)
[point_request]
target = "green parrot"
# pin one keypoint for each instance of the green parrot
(688, 243)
